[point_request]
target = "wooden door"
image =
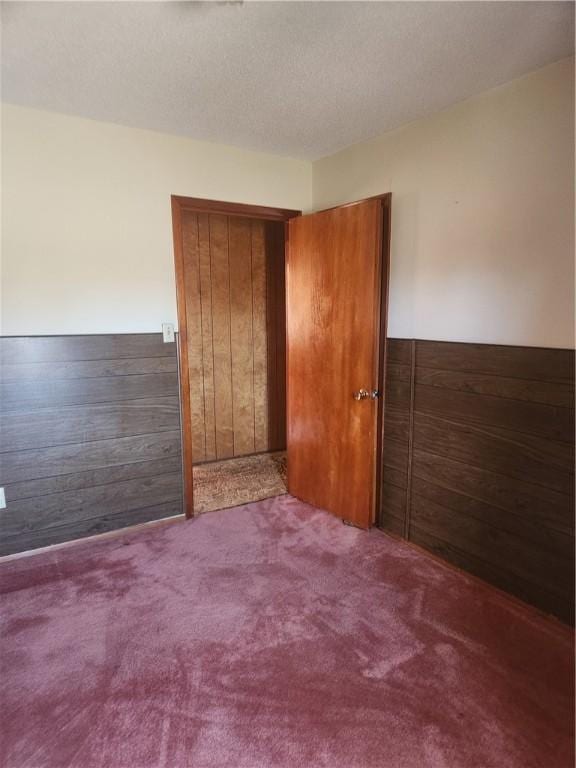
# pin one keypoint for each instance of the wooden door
(334, 279)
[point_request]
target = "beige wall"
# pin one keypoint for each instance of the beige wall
(483, 206)
(482, 229)
(87, 238)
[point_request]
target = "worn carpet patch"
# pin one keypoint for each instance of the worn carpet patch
(228, 483)
(273, 636)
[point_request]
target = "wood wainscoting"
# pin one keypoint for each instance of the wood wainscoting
(90, 436)
(478, 462)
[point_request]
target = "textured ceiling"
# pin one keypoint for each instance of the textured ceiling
(300, 79)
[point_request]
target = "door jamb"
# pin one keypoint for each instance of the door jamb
(181, 204)
(384, 249)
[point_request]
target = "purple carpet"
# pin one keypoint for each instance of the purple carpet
(271, 636)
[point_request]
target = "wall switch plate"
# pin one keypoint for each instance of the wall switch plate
(2, 499)
(168, 332)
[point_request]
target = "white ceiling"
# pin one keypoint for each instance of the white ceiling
(303, 79)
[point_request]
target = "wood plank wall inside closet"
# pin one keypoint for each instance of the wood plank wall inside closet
(235, 313)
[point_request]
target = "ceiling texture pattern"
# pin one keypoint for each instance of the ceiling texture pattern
(303, 79)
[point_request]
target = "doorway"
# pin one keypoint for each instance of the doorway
(230, 278)
(283, 339)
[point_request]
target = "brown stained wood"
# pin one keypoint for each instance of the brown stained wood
(397, 436)
(21, 350)
(531, 418)
(521, 456)
(537, 595)
(491, 462)
(259, 334)
(276, 332)
(395, 455)
(523, 502)
(182, 351)
(410, 439)
(397, 424)
(505, 551)
(263, 212)
(394, 505)
(535, 364)
(69, 459)
(557, 543)
(209, 426)
(223, 393)
(399, 352)
(89, 478)
(333, 313)
(543, 392)
(398, 373)
(241, 339)
(32, 394)
(279, 256)
(87, 369)
(46, 427)
(191, 257)
(395, 477)
(393, 525)
(55, 509)
(218, 429)
(45, 537)
(398, 393)
(240, 303)
(100, 439)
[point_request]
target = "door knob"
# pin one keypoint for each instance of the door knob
(364, 394)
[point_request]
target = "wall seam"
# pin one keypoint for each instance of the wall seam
(410, 439)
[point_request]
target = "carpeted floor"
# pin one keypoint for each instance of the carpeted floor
(228, 483)
(273, 636)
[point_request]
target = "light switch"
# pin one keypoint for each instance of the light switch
(168, 332)
(2, 499)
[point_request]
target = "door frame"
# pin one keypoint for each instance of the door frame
(381, 323)
(385, 241)
(179, 205)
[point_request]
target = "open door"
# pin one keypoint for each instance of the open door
(336, 284)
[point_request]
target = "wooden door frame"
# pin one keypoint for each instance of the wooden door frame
(180, 205)
(382, 309)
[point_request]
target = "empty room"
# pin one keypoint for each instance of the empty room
(287, 384)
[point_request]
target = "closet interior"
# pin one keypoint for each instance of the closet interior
(231, 296)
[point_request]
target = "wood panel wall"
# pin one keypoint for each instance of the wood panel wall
(479, 462)
(90, 436)
(235, 314)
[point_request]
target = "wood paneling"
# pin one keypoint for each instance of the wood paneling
(209, 426)
(221, 347)
(490, 475)
(20, 350)
(234, 295)
(397, 430)
(260, 335)
(90, 436)
(241, 333)
(191, 248)
(276, 336)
